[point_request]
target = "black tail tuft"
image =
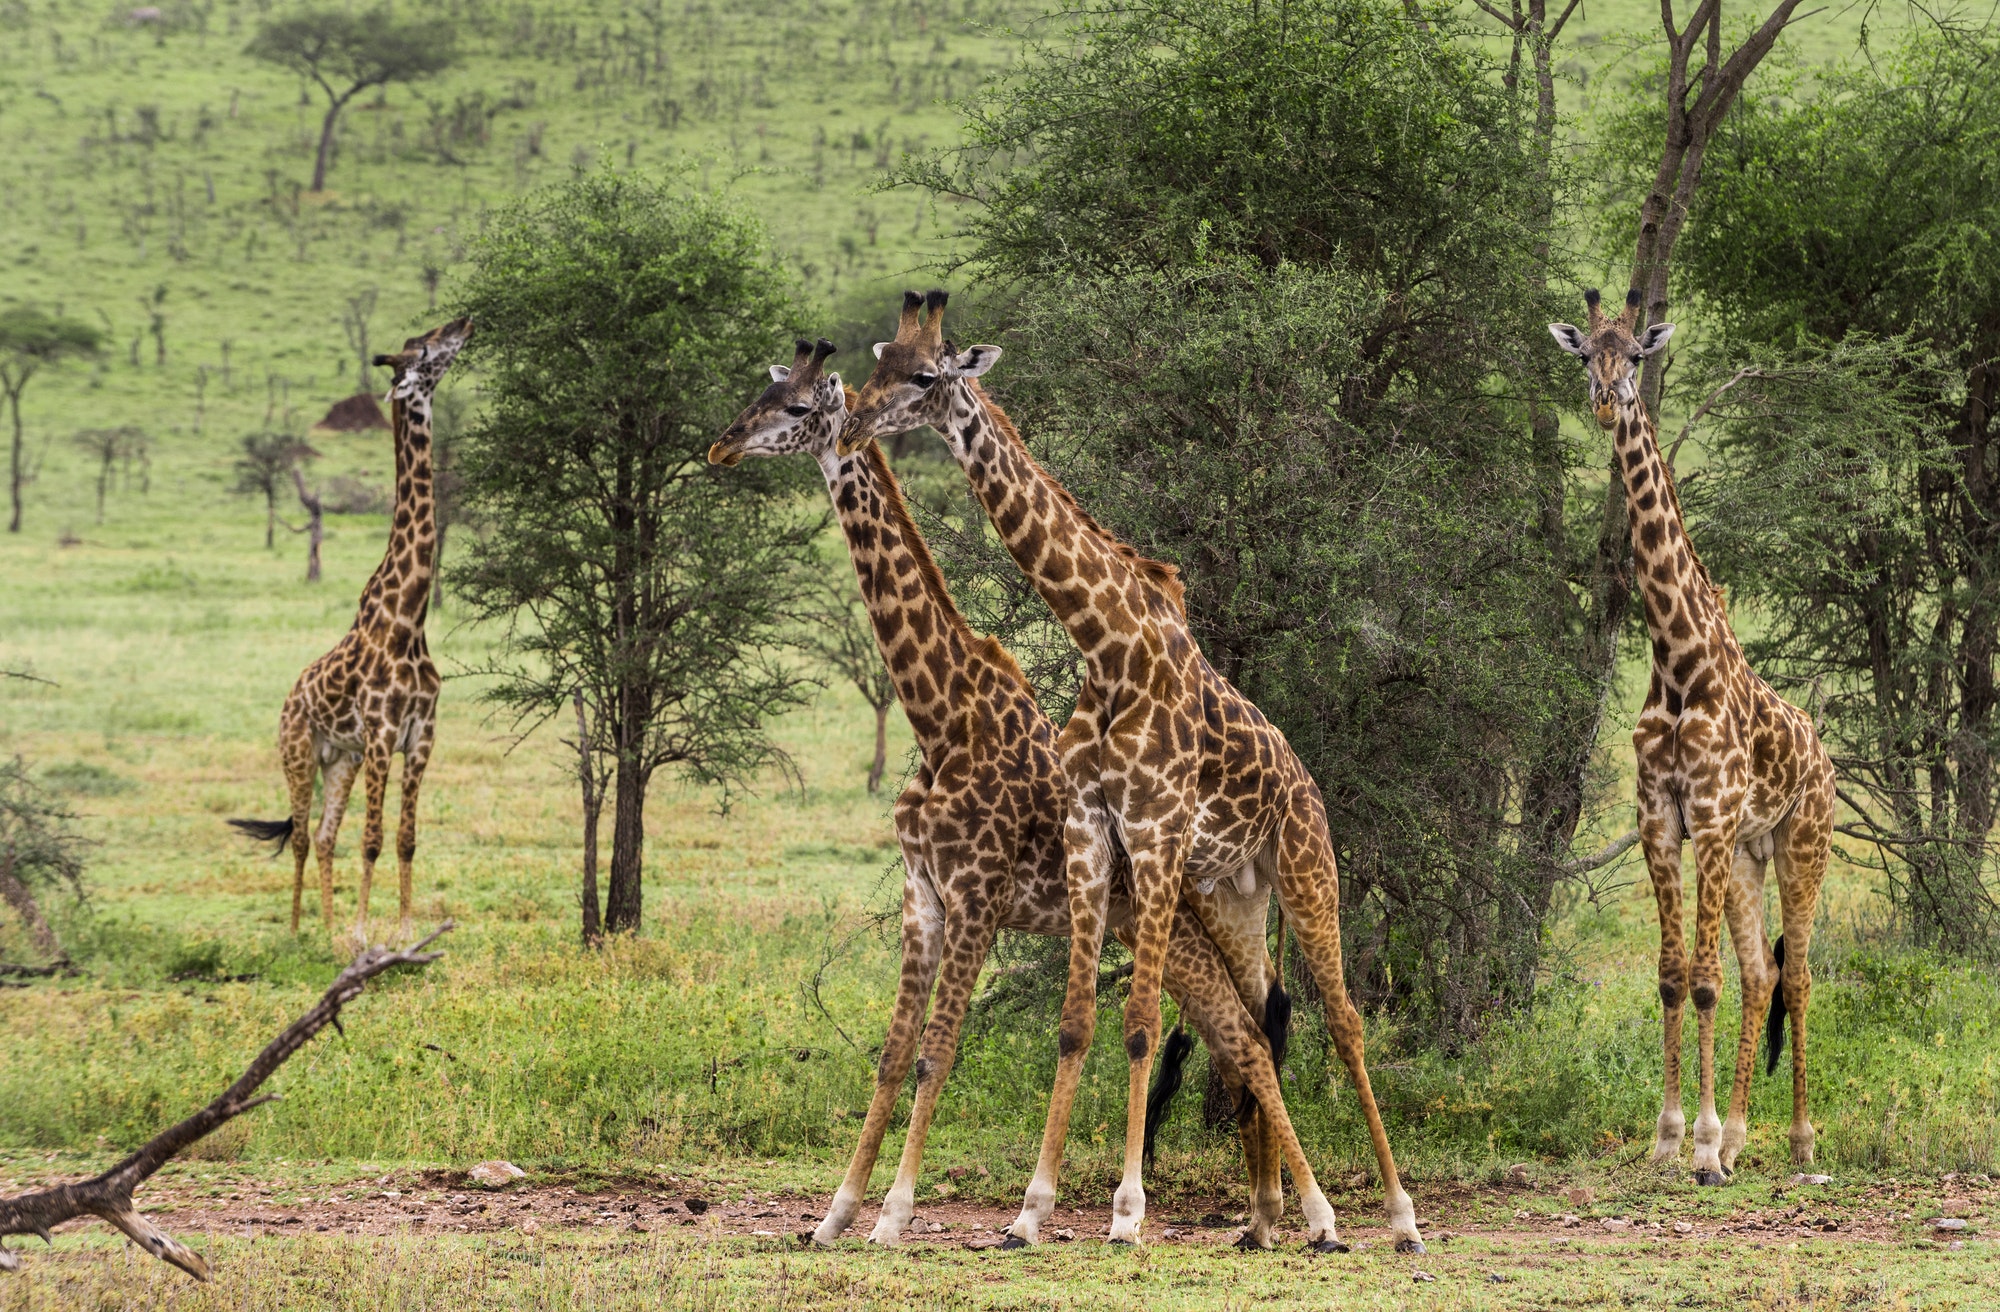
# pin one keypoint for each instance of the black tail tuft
(266, 831)
(1774, 1028)
(1160, 1101)
(1278, 1025)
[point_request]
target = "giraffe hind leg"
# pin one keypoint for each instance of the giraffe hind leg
(1803, 846)
(1744, 911)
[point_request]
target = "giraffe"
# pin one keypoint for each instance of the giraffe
(981, 825)
(375, 694)
(1167, 765)
(1722, 759)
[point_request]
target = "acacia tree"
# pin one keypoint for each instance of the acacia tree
(346, 53)
(841, 636)
(29, 340)
(262, 470)
(110, 447)
(39, 849)
(1845, 246)
(618, 317)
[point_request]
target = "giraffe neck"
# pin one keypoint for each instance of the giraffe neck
(922, 636)
(400, 589)
(1101, 590)
(1690, 633)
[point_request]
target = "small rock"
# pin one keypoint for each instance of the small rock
(979, 1243)
(1812, 1179)
(959, 1172)
(935, 1228)
(531, 1226)
(1518, 1174)
(1613, 1223)
(1582, 1196)
(1683, 1228)
(763, 1234)
(1495, 1278)
(696, 1205)
(495, 1174)
(1955, 1246)
(1170, 1234)
(1359, 1180)
(1572, 1219)
(1422, 1277)
(1948, 1223)
(1065, 1234)
(1522, 1214)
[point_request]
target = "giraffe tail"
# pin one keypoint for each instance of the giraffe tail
(278, 832)
(1173, 1060)
(1774, 1028)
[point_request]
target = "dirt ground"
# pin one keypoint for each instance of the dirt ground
(446, 1201)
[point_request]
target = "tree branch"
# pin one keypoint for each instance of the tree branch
(109, 1196)
(1605, 855)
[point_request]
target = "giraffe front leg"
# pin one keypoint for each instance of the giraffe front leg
(923, 947)
(415, 761)
(966, 945)
(1660, 836)
(1744, 911)
(300, 766)
(375, 790)
(1156, 884)
(1715, 861)
(337, 781)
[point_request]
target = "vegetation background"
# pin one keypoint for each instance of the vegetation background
(152, 184)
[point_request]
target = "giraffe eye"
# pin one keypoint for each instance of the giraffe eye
(923, 380)
(798, 411)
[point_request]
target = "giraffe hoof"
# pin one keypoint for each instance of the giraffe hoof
(1121, 1243)
(1410, 1246)
(1012, 1242)
(1710, 1178)
(1328, 1246)
(1248, 1243)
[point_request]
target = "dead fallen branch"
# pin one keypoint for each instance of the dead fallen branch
(1605, 855)
(109, 1196)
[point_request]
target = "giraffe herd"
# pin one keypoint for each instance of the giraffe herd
(1168, 811)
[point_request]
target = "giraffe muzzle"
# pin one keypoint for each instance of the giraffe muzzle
(721, 453)
(1607, 415)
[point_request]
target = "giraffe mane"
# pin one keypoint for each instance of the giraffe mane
(897, 511)
(1160, 574)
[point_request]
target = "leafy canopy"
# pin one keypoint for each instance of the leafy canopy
(338, 48)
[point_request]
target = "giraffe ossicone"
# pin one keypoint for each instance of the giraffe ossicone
(375, 694)
(981, 825)
(1722, 760)
(1167, 766)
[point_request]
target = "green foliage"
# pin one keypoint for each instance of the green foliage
(1846, 244)
(617, 319)
(29, 340)
(1275, 283)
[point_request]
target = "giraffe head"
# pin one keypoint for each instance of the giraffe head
(1611, 353)
(803, 409)
(910, 386)
(423, 360)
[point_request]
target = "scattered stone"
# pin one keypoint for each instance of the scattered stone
(1614, 1223)
(1955, 1246)
(495, 1174)
(1422, 1277)
(1683, 1228)
(1948, 1223)
(1517, 1174)
(979, 1243)
(934, 1228)
(1359, 1180)
(1582, 1196)
(1812, 1179)
(763, 1234)
(1170, 1234)
(531, 1226)
(959, 1172)
(696, 1205)
(1065, 1234)
(1522, 1214)
(1571, 1219)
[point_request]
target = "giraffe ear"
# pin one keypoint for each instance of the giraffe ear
(879, 348)
(1570, 338)
(780, 372)
(974, 361)
(1654, 338)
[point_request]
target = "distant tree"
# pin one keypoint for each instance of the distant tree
(111, 447)
(617, 318)
(263, 469)
(315, 525)
(30, 339)
(346, 53)
(39, 849)
(839, 634)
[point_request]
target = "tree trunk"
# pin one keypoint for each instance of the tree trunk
(628, 850)
(881, 748)
(270, 518)
(325, 156)
(14, 469)
(16, 895)
(315, 524)
(593, 807)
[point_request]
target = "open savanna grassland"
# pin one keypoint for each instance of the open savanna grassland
(151, 180)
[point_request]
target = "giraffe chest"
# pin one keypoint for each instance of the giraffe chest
(1740, 763)
(355, 695)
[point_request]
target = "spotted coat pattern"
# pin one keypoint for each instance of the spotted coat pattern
(1169, 767)
(981, 825)
(1722, 760)
(375, 694)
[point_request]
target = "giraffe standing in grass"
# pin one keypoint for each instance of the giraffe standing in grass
(1168, 767)
(1723, 760)
(981, 825)
(375, 694)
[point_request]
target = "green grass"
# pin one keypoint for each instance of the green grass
(171, 636)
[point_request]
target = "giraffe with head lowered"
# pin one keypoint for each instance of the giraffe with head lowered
(1168, 767)
(375, 694)
(1722, 760)
(981, 824)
